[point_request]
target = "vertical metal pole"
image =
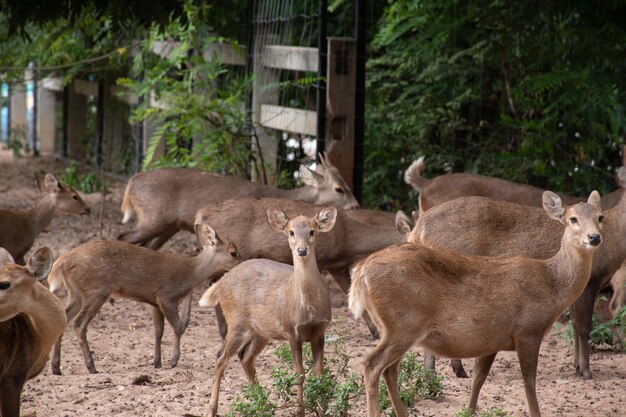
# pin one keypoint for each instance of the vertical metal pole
(8, 132)
(100, 123)
(138, 133)
(322, 45)
(66, 121)
(34, 120)
(359, 116)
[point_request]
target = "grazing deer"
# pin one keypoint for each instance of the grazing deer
(351, 239)
(98, 269)
(482, 226)
(166, 200)
(444, 188)
(31, 320)
(470, 306)
(19, 228)
(265, 300)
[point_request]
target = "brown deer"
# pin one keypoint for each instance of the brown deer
(482, 226)
(166, 200)
(618, 282)
(471, 306)
(265, 300)
(350, 239)
(96, 270)
(444, 188)
(31, 320)
(19, 228)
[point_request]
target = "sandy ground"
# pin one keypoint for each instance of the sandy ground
(121, 337)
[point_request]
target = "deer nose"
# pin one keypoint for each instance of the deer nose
(594, 239)
(303, 251)
(87, 211)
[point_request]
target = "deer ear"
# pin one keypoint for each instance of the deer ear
(206, 235)
(403, 223)
(326, 218)
(277, 219)
(51, 184)
(620, 177)
(553, 205)
(40, 263)
(309, 177)
(594, 199)
(5, 257)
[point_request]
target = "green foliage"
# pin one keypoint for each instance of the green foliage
(253, 402)
(500, 89)
(415, 383)
(610, 334)
(87, 183)
(492, 412)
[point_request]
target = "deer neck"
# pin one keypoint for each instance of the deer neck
(202, 265)
(46, 314)
(570, 269)
(307, 285)
(42, 214)
(305, 193)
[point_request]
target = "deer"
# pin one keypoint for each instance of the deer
(31, 320)
(618, 300)
(464, 306)
(438, 190)
(93, 272)
(20, 228)
(487, 227)
(166, 200)
(299, 310)
(350, 239)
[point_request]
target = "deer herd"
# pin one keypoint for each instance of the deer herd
(484, 265)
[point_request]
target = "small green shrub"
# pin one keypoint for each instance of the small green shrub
(87, 183)
(609, 334)
(492, 412)
(253, 402)
(414, 382)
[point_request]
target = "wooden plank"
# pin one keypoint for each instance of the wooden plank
(85, 88)
(225, 53)
(117, 93)
(289, 119)
(295, 58)
(52, 84)
(340, 105)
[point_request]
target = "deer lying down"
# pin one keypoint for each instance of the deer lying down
(264, 300)
(444, 188)
(166, 200)
(482, 226)
(31, 320)
(470, 306)
(98, 269)
(351, 239)
(18, 229)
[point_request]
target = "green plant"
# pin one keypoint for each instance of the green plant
(414, 383)
(609, 334)
(87, 183)
(253, 402)
(492, 412)
(17, 141)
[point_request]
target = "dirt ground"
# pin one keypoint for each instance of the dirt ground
(121, 337)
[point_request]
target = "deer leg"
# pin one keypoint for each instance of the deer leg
(528, 354)
(72, 308)
(159, 326)
(482, 366)
(342, 278)
(161, 239)
(231, 345)
(582, 313)
(254, 348)
(10, 391)
(170, 310)
(391, 379)
(185, 308)
(429, 360)
(457, 367)
(142, 234)
(379, 359)
(317, 351)
(296, 351)
(84, 317)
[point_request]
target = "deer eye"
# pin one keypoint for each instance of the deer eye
(233, 254)
(339, 190)
(5, 285)
(311, 233)
(600, 219)
(573, 220)
(291, 233)
(75, 197)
